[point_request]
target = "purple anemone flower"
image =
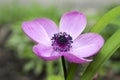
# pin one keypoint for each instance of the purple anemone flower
(67, 41)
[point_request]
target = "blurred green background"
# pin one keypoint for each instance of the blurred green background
(18, 62)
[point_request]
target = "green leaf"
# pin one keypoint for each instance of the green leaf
(38, 66)
(50, 69)
(55, 77)
(72, 70)
(106, 19)
(109, 48)
(111, 45)
(28, 66)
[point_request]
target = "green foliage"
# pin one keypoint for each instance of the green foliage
(18, 41)
(28, 66)
(55, 77)
(72, 70)
(111, 45)
(106, 19)
(16, 14)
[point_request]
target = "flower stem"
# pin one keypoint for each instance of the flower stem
(64, 67)
(72, 70)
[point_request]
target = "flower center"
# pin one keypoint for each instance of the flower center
(61, 42)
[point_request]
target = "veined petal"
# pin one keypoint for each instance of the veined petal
(46, 52)
(75, 59)
(73, 23)
(36, 32)
(87, 44)
(48, 25)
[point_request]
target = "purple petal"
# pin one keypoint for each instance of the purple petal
(75, 59)
(49, 26)
(73, 23)
(87, 44)
(46, 52)
(36, 32)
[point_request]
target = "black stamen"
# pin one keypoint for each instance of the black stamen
(61, 42)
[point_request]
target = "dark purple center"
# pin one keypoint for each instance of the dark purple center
(61, 42)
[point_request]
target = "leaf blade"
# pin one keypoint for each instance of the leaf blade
(111, 45)
(106, 19)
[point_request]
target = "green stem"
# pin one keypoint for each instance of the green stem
(64, 67)
(72, 70)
